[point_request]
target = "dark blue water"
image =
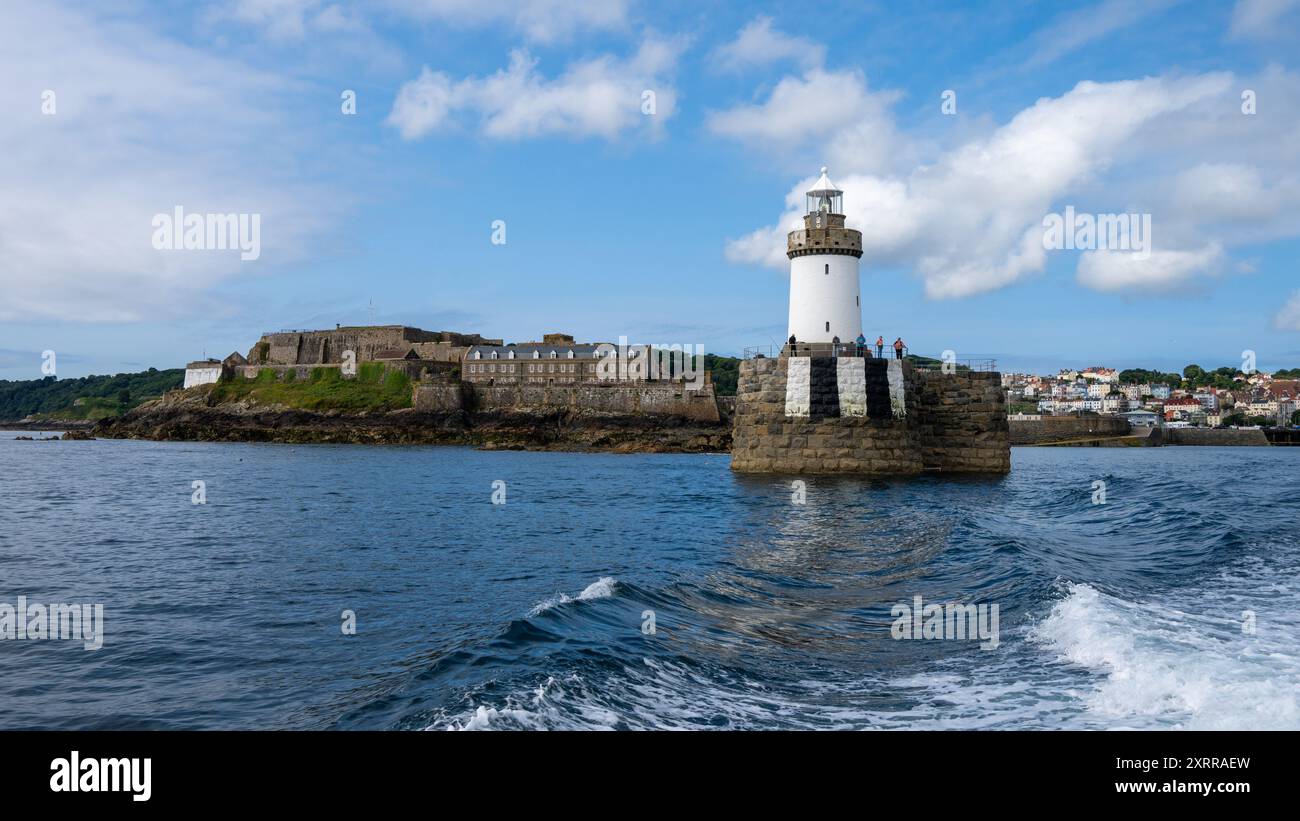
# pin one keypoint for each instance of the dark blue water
(530, 614)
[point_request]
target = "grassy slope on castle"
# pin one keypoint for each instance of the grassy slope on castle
(375, 389)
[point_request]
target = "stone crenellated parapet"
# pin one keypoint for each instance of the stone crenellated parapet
(809, 415)
(830, 238)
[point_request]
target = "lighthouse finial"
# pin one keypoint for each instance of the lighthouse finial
(823, 169)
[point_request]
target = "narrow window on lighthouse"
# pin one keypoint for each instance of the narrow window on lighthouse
(828, 267)
(828, 327)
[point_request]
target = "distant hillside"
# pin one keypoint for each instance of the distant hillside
(100, 396)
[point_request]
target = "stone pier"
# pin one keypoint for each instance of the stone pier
(811, 415)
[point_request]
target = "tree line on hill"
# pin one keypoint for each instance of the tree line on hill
(1194, 376)
(101, 395)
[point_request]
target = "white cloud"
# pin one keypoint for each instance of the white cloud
(758, 44)
(969, 220)
(541, 20)
(1259, 18)
(831, 111)
(1288, 319)
(141, 124)
(1159, 272)
(601, 97)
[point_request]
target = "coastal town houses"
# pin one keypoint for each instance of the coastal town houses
(1255, 398)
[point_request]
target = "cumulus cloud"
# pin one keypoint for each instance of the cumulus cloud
(814, 108)
(967, 219)
(1288, 319)
(140, 124)
(758, 44)
(600, 97)
(1158, 273)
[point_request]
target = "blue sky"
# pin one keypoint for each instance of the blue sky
(663, 227)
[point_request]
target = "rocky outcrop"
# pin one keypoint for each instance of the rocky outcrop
(191, 416)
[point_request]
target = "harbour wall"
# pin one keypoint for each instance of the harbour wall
(1060, 428)
(1212, 436)
(602, 399)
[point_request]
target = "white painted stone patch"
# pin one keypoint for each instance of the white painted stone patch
(851, 379)
(798, 386)
(897, 398)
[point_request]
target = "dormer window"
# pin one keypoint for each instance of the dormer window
(510, 355)
(495, 356)
(570, 354)
(478, 354)
(537, 354)
(554, 355)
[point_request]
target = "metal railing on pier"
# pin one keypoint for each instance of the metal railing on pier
(851, 349)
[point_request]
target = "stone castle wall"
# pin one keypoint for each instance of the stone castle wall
(327, 347)
(875, 416)
(612, 399)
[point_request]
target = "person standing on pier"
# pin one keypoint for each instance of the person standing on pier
(898, 348)
(880, 347)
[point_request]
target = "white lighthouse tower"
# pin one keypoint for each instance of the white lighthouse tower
(825, 301)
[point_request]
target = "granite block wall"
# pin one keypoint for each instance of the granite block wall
(873, 416)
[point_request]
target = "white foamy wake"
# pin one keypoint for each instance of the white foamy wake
(1186, 664)
(544, 708)
(602, 589)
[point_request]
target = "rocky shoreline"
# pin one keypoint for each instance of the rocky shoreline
(188, 416)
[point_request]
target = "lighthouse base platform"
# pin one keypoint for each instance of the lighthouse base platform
(831, 414)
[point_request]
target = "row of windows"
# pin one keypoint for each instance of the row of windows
(536, 355)
(563, 367)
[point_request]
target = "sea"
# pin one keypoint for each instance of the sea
(268, 586)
